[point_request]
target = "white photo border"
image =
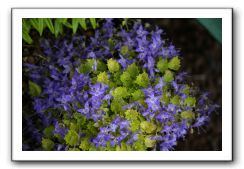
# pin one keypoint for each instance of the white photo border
(224, 155)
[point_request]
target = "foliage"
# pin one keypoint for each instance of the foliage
(54, 25)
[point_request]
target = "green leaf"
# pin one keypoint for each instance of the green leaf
(165, 98)
(83, 23)
(61, 20)
(47, 144)
(135, 125)
(58, 27)
(133, 70)
(49, 24)
(175, 100)
(137, 95)
(162, 65)
(71, 138)
(26, 37)
(142, 80)
(139, 145)
(85, 144)
(38, 24)
(116, 105)
(187, 115)
(126, 79)
(190, 101)
(75, 24)
(103, 78)
(124, 50)
(148, 127)
(120, 92)
(48, 132)
(149, 143)
(25, 25)
(186, 90)
(168, 76)
(74, 149)
(174, 63)
(34, 89)
(131, 114)
(113, 65)
(93, 23)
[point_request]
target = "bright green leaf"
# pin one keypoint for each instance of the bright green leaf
(49, 24)
(26, 37)
(71, 138)
(148, 127)
(93, 23)
(187, 115)
(75, 24)
(83, 23)
(174, 63)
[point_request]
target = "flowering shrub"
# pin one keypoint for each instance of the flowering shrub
(115, 89)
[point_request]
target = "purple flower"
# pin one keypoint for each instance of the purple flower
(153, 102)
(141, 32)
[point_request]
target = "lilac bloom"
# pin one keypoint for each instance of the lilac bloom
(153, 102)
(200, 121)
(141, 32)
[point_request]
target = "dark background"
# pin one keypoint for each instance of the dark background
(202, 59)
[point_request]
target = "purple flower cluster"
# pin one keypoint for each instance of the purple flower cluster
(67, 74)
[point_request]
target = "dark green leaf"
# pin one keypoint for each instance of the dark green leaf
(34, 89)
(26, 37)
(49, 24)
(93, 23)
(83, 23)
(75, 24)
(58, 27)
(25, 25)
